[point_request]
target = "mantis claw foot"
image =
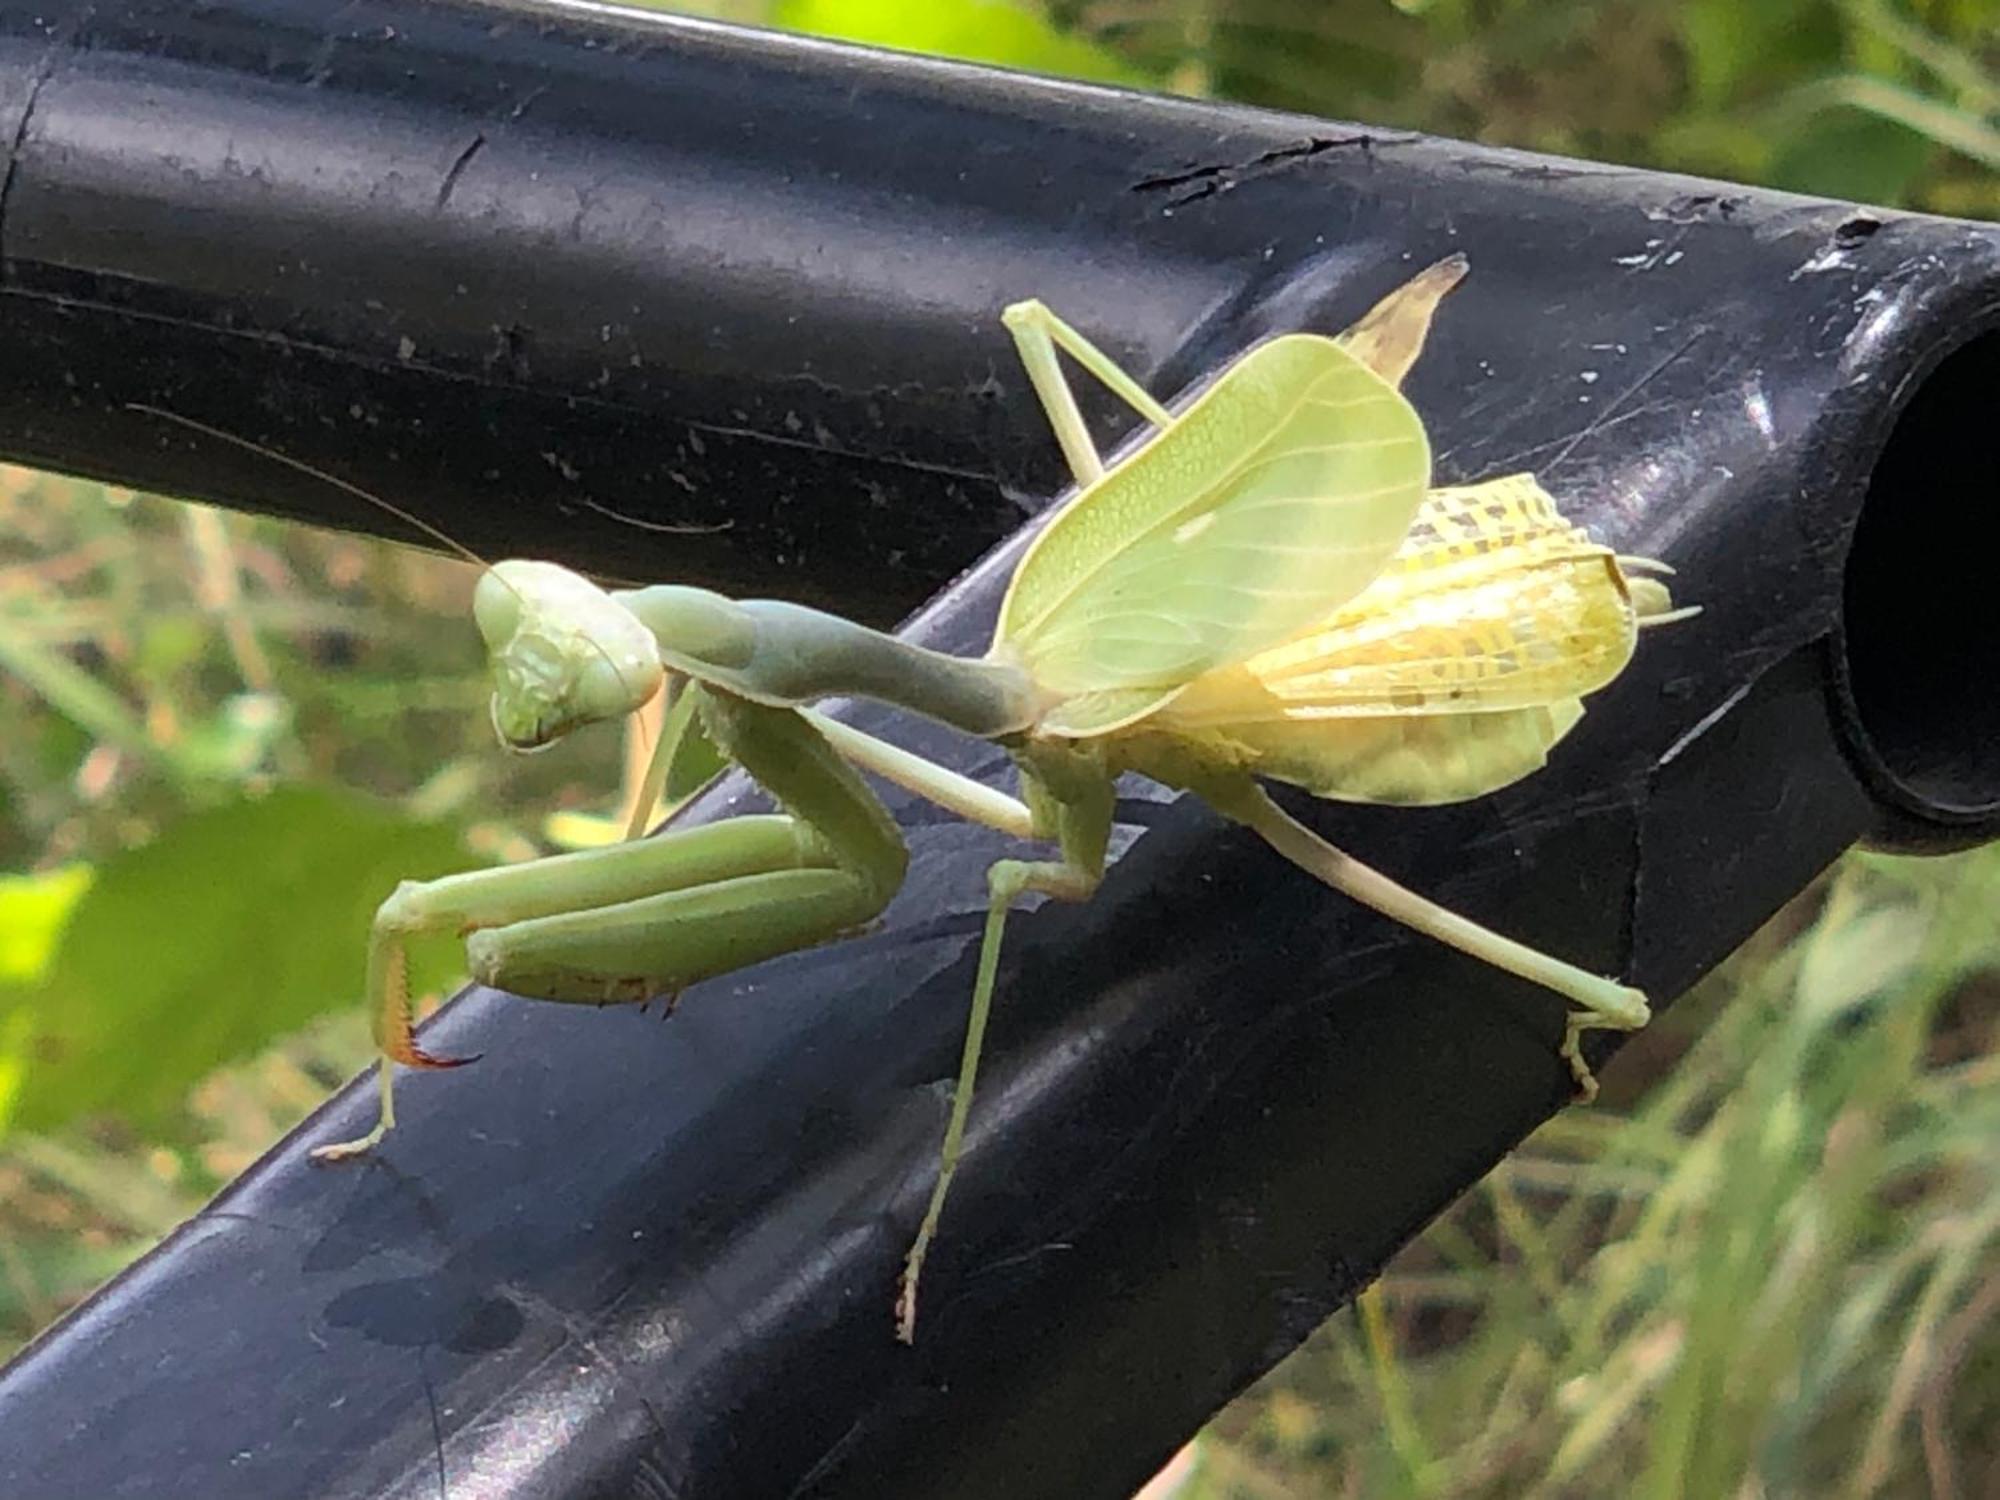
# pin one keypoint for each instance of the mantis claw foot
(1572, 1052)
(906, 1307)
(413, 1056)
(385, 1082)
(1617, 1008)
(348, 1150)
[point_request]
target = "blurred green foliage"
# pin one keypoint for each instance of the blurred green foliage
(226, 740)
(1861, 99)
(992, 31)
(1773, 1271)
(1767, 1268)
(152, 983)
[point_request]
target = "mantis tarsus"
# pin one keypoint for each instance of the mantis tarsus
(1266, 587)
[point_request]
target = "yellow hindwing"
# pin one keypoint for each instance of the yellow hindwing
(1450, 675)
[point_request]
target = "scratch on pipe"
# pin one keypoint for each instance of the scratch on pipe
(457, 169)
(1208, 180)
(687, 529)
(1526, 458)
(44, 69)
(1628, 918)
(1706, 722)
(578, 1332)
(825, 1462)
(1611, 407)
(437, 1424)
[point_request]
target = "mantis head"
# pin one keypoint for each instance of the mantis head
(564, 652)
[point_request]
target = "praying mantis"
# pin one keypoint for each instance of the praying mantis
(1267, 587)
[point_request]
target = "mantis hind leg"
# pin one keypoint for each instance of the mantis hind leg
(1603, 1004)
(651, 916)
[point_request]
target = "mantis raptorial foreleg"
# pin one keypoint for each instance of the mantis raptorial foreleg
(675, 721)
(652, 916)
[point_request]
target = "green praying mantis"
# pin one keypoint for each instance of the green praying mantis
(1266, 587)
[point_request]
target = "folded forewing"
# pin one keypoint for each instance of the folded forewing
(1278, 495)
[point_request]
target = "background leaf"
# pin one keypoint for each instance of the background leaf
(233, 928)
(988, 31)
(34, 909)
(1844, 153)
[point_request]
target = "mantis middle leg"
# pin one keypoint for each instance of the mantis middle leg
(1078, 814)
(652, 916)
(1038, 333)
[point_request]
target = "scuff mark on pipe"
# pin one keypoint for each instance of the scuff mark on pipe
(45, 67)
(1221, 177)
(457, 169)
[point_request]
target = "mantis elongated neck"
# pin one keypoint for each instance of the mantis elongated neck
(789, 655)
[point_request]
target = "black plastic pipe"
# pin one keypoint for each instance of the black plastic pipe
(534, 271)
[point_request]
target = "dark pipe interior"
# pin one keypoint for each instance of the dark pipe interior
(1922, 580)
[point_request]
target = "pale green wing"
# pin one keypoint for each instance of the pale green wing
(1278, 495)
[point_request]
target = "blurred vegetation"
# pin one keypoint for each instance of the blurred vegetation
(1767, 1267)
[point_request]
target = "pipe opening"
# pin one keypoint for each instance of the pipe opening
(1922, 654)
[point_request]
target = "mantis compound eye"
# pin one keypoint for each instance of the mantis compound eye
(498, 604)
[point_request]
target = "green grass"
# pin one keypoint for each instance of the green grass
(1774, 1271)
